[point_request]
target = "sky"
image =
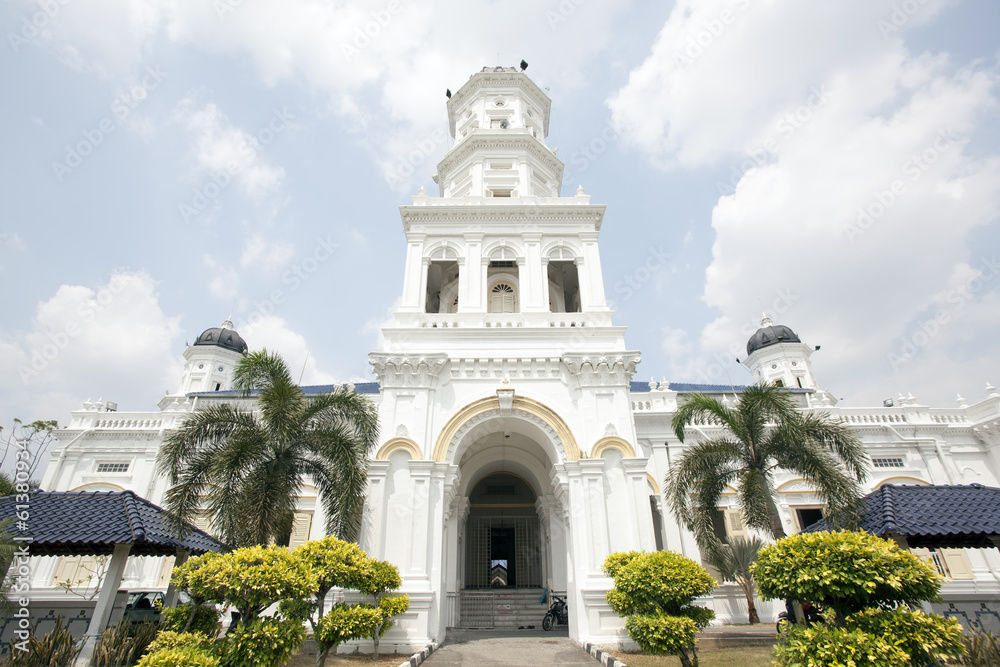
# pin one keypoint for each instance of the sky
(833, 165)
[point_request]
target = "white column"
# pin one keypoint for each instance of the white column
(471, 276)
(102, 611)
(372, 522)
(530, 276)
(590, 273)
(420, 477)
(642, 514)
(170, 600)
(414, 276)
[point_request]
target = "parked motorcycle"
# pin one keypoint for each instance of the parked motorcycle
(558, 613)
(788, 616)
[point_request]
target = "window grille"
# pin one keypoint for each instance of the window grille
(112, 467)
(890, 462)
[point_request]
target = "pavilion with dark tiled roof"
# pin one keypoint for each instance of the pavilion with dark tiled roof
(939, 517)
(100, 523)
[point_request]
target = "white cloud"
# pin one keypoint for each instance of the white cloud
(224, 282)
(265, 254)
(857, 195)
(228, 152)
(111, 341)
(273, 333)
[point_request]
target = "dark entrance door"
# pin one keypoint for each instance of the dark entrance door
(503, 563)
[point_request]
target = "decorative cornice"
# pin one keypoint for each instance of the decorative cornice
(602, 370)
(522, 211)
(405, 370)
(485, 139)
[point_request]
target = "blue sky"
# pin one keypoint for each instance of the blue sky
(833, 164)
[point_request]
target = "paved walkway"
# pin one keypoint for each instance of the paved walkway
(499, 648)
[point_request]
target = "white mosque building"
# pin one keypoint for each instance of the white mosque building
(516, 451)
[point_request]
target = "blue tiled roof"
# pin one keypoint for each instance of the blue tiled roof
(76, 523)
(932, 516)
(359, 387)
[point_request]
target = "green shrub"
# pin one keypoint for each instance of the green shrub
(926, 638)
(263, 643)
(168, 639)
(823, 645)
(205, 621)
(187, 656)
(661, 634)
(655, 591)
(55, 649)
(982, 649)
(250, 579)
(122, 644)
(844, 571)
(345, 622)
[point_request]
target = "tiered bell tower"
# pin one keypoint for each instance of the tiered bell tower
(508, 454)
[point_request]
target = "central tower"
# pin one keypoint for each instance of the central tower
(508, 454)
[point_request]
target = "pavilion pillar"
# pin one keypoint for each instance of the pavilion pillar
(102, 611)
(170, 600)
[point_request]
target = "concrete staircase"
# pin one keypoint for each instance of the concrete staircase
(502, 608)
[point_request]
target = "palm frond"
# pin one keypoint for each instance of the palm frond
(257, 371)
(702, 405)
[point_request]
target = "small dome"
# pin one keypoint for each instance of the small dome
(770, 334)
(224, 337)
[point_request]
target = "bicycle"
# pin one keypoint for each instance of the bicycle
(558, 613)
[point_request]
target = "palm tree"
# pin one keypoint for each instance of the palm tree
(765, 433)
(246, 467)
(733, 562)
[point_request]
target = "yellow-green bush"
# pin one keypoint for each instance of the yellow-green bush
(187, 656)
(263, 643)
(826, 646)
(926, 638)
(655, 591)
(844, 571)
(205, 621)
(168, 639)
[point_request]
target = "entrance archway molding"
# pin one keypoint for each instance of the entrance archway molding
(524, 408)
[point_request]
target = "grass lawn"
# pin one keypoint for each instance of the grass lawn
(756, 656)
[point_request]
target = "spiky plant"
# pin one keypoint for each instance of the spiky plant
(246, 467)
(764, 433)
(733, 562)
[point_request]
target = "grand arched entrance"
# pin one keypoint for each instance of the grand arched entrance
(511, 537)
(503, 543)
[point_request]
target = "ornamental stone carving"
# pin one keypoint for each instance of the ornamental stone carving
(405, 370)
(602, 370)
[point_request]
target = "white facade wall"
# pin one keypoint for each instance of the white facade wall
(592, 446)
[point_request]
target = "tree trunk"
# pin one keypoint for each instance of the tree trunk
(752, 611)
(772, 511)
(685, 660)
(194, 608)
(378, 632)
(321, 654)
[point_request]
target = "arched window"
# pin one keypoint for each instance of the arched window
(503, 298)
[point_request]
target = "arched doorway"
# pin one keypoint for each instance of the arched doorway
(503, 544)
